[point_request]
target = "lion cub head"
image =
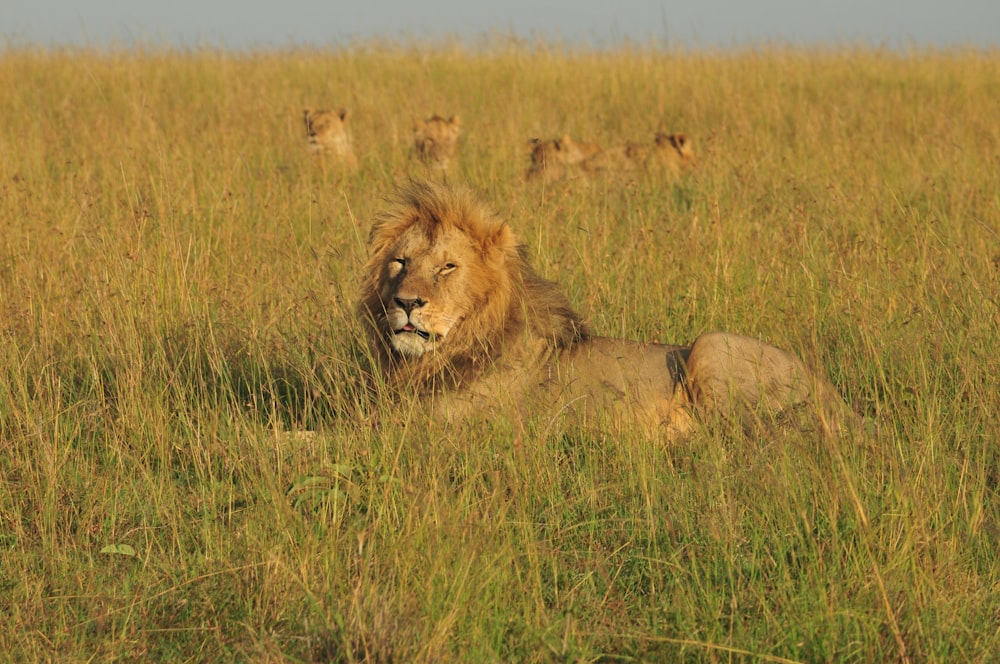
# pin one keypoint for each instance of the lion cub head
(326, 132)
(435, 140)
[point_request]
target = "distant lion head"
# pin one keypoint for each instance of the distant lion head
(549, 158)
(435, 140)
(676, 148)
(326, 131)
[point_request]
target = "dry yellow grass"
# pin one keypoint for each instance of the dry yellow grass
(177, 277)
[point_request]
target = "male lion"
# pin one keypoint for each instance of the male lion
(456, 314)
(435, 140)
(326, 131)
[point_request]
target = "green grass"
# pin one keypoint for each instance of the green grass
(179, 362)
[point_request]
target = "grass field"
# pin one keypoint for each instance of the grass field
(188, 471)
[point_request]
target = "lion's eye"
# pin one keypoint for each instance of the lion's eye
(395, 266)
(448, 268)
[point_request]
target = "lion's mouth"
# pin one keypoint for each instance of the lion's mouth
(409, 328)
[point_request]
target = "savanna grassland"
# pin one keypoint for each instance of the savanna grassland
(190, 471)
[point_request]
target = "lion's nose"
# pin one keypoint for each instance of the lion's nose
(409, 304)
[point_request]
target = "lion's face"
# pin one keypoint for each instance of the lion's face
(549, 158)
(439, 279)
(560, 150)
(677, 146)
(426, 289)
(436, 139)
(326, 129)
(546, 152)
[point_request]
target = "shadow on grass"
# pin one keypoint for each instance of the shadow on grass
(280, 381)
(195, 369)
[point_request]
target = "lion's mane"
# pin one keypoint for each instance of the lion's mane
(514, 304)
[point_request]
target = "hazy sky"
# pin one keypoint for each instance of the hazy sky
(692, 23)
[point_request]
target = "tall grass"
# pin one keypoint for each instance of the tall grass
(190, 470)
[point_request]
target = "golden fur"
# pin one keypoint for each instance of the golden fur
(326, 132)
(550, 159)
(435, 140)
(670, 152)
(456, 313)
(674, 151)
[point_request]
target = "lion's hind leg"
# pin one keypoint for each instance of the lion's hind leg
(735, 377)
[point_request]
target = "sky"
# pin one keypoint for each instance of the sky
(695, 24)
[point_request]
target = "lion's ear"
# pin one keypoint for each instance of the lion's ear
(453, 120)
(501, 239)
(344, 113)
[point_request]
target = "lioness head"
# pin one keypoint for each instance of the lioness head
(435, 140)
(676, 148)
(326, 131)
(547, 160)
(550, 158)
(447, 282)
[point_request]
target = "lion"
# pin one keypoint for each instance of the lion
(435, 140)
(670, 152)
(616, 159)
(326, 132)
(455, 314)
(550, 159)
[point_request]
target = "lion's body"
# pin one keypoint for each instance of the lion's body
(326, 133)
(669, 153)
(616, 159)
(457, 314)
(435, 140)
